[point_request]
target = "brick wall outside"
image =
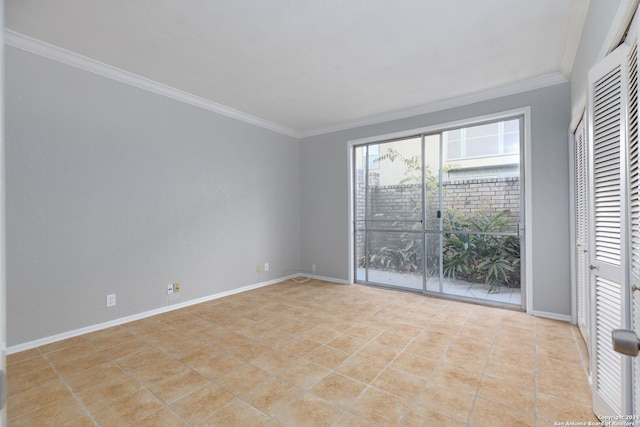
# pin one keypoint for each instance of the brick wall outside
(403, 202)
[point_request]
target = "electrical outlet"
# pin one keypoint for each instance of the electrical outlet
(266, 266)
(176, 288)
(111, 300)
(313, 268)
(170, 289)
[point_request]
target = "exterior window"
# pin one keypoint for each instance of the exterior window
(488, 140)
(374, 153)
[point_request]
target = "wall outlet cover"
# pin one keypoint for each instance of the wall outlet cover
(111, 300)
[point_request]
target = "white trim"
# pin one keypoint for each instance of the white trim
(578, 112)
(442, 126)
(76, 332)
(574, 30)
(505, 90)
(324, 278)
(554, 316)
(619, 25)
(56, 53)
(528, 214)
(572, 223)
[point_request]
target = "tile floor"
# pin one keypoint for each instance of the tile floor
(311, 354)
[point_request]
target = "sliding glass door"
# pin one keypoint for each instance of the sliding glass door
(441, 212)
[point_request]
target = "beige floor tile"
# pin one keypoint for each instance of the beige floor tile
(461, 356)
(214, 366)
(399, 383)
(68, 367)
(120, 351)
(105, 393)
(380, 407)
(328, 357)
(365, 332)
(431, 350)
(91, 377)
(31, 364)
(59, 345)
(487, 413)
(570, 370)
(23, 380)
(457, 377)
(515, 374)
(162, 418)
(309, 411)
(347, 419)
(236, 414)
(322, 334)
(299, 346)
(377, 353)
(360, 369)
(176, 386)
(520, 398)
(127, 410)
(22, 356)
(57, 414)
(200, 404)
(339, 389)
(391, 340)
(347, 343)
(158, 371)
(451, 402)
(513, 357)
(248, 351)
(273, 395)
(421, 417)
(413, 364)
(242, 379)
(558, 386)
(557, 409)
(404, 329)
(49, 393)
(303, 373)
(142, 358)
(273, 360)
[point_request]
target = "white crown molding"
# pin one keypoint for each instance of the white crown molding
(577, 18)
(498, 92)
(38, 47)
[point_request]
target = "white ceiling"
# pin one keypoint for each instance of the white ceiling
(314, 65)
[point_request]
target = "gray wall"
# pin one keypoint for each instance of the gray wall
(325, 182)
(111, 189)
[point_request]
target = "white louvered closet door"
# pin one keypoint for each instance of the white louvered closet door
(581, 227)
(633, 159)
(607, 104)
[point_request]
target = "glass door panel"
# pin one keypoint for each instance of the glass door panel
(481, 212)
(388, 213)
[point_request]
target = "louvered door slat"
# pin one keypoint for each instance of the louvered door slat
(607, 104)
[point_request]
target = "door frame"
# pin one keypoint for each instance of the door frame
(525, 180)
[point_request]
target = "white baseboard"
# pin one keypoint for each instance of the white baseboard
(326, 279)
(76, 332)
(554, 316)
